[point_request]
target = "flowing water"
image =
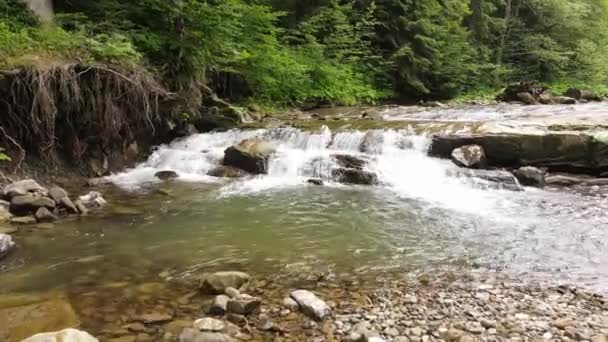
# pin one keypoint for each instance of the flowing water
(420, 216)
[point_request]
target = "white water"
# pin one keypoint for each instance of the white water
(399, 158)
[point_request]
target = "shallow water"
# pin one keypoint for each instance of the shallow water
(421, 216)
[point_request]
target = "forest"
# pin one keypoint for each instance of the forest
(281, 53)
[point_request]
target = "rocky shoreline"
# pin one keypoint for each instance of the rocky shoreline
(473, 305)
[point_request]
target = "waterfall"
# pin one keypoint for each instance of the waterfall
(398, 157)
(42, 8)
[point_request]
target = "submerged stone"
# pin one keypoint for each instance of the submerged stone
(310, 304)
(67, 335)
(6, 245)
(354, 176)
(166, 175)
(217, 283)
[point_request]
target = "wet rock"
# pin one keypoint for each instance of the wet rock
(471, 156)
(291, 304)
(209, 324)
(354, 176)
(315, 181)
(218, 282)
(57, 193)
(67, 335)
(35, 316)
(5, 215)
(219, 305)
(23, 220)
(526, 98)
(92, 200)
(62, 199)
(7, 245)
(265, 324)
(44, 215)
(232, 292)
(349, 162)
(581, 94)
(155, 318)
(243, 304)
(494, 179)
(565, 100)
(250, 155)
(371, 114)
(530, 176)
(237, 319)
(372, 142)
(30, 203)
(224, 171)
(166, 175)
(310, 304)
(23, 187)
(193, 335)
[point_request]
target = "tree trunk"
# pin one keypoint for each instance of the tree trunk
(505, 32)
(477, 24)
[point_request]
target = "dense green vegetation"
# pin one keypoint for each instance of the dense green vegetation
(289, 52)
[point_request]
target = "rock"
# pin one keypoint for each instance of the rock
(23, 187)
(563, 323)
(565, 100)
(265, 324)
(155, 318)
(224, 171)
(471, 156)
(92, 200)
(30, 203)
(452, 335)
(232, 292)
(526, 98)
(193, 335)
(599, 338)
(237, 319)
(310, 304)
(44, 215)
(291, 304)
(57, 193)
(547, 98)
(7, 245)
(349, 162)
(372, 142)
(250, 155)
(23, 220)
(219, 305)
(218, 282)
(580, 94)
(371, 114)
(5, 215)
(361, 332)
(432, 104)
(530, 176)
(243, 304)
(315, 181)
(474, 328)
(166, 175)
(67, 335)
(209, 324)
(34, 316)
(495, 179)
(354, 176)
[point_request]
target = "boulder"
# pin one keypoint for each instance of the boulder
(348, 161)
(354, 176)
(526, 98)
(547, 98)
(224, 171)
(218, 282)
(471, 156)
(57, 194)
(243, 304)
(310, 304)
(30, 203)
(166, 175)
(6, 245)
(23, 220)
(23, 187)
(67, 335)
(44, 215)
(559, 152)
(530, 176)
(193, 335)
(372, 142)
(581, 94)
(517, 91)
(251, 155)
(565, 100)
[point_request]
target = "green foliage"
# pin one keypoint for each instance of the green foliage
(3, 156)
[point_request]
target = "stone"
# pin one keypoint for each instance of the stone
(530, 176)
(193, 335)
(310, 304)
(232, 292)
(471, 156)
(599, 338)
(33, 316)
(361, 332)
(218, 282)
(92, 200)
(224, 171)
(7, 245)
(219, 305)
(452, 335)
(243, 304)
(349, 161)
(5, 215)
(563, 323)
(57, 194)
(526, 98)
(495, 179)
(250, 155)
(23, 220)
(30, 203)
(209, 324)
(237, 319)
(354, 176)
(265, 324)
(154, 318)
(291, 304)
(315, 181)
(67, 335)
(565, 100)
(166, 175)
(23, 187)
(44, 215)
(474, 328)
(372, 142)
